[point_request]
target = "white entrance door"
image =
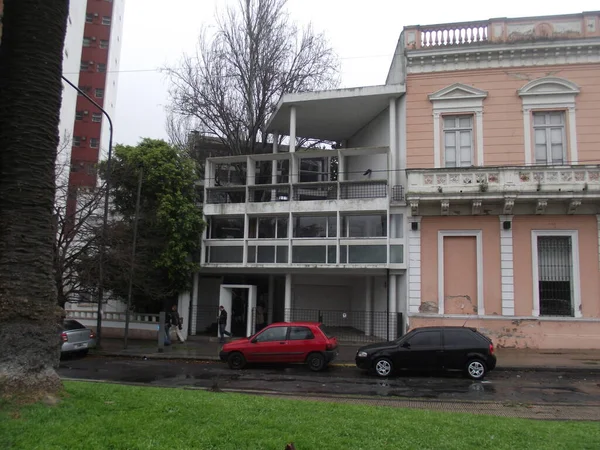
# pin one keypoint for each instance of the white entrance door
(225, 299)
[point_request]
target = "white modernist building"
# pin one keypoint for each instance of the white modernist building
(311, 234)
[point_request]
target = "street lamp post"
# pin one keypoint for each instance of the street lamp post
(105, 215)
(131, 270)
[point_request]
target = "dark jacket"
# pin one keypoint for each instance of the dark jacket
(175, 318)
(223, 317)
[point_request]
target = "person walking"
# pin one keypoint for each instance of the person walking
(177, 323)
(222, 320)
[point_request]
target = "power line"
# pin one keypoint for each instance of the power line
(160, 69)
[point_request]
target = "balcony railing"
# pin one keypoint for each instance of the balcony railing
(490, 180)
(334, 190)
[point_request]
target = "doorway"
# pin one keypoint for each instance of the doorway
(239, 302)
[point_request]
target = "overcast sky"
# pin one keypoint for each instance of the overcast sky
(363, 33)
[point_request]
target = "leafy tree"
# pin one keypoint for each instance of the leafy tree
(30, 97)
(169, 224)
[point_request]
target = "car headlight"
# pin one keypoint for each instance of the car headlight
(362, 354)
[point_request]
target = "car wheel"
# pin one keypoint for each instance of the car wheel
(475, 369)
(316, 362)
(383, 367)
(236, 361)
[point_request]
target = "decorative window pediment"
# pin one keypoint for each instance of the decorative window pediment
(458, 91)
(549, 86)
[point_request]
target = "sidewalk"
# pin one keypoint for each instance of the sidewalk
(207, 349)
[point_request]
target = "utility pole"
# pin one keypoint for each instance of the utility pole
(131, 270)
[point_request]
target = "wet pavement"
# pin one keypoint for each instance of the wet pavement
(516, 388)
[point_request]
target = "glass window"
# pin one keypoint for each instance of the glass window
(314, 170)
(458, 141)
(272, 334)
(397, 225)
(550, 139)
(315, 226)
(99, 93)
(331, 254)
(79, 115)
(96, 117)
(266, 254)
(266, 227)
(94, 142)
(105, 20)
(367, 254)
(84, 65)
(396, 254)
(101, 68)
(229, 254)
(306, 254)
(226, 228)
(89, 18)
(282, 227)
(461, 338)
(282, 254)
(76, 141)
(70, 324)
(426, 339)
(103, 43)
(365, 226)
(300, 334)
(87, 41)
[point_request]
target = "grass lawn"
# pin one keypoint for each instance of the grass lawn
(106, 416)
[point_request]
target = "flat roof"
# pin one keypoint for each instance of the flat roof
(333, 115)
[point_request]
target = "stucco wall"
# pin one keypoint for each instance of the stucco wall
(503, 132)
(588, 259)
(490, 227)
(375, 134)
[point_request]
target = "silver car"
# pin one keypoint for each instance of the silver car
(75, 337)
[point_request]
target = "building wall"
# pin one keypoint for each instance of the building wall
(457, 301)
(587, 228)
(503, 132)
(71, 64)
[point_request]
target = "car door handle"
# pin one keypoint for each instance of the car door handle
(282, 343)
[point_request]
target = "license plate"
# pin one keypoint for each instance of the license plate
(84, 345)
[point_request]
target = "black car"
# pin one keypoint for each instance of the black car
(431, 349)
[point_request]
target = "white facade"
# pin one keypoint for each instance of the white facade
(320, 245)
(71, 67)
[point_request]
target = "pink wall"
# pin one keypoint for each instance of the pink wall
(503, 134)
(490, 226)
(588, 259)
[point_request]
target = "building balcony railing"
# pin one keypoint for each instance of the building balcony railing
(491, 181)
(450, 34)
(318, 191)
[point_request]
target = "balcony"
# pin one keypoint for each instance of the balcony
(496, 190)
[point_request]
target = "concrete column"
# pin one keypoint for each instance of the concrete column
(288, 297)
(194, 303)
(369, 284)
(393, 144)
(292, 129)
(414, 264)
(393, 303)
(245, 247)
(250, 171)
(270, 297)
(341, 166)
(274, 166)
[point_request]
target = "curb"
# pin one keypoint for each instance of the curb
(210, 358)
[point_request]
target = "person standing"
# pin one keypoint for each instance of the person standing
(177, 323)
(260, 318)
(222, 320)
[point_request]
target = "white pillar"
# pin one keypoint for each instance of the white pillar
(245, 247)
(288, 297)
(274, 166)
(341, 166)
(393, 144)
(414, 264)
(194, 309)
(393, 291)
(369, 282)
(292, 129)
(506, 267)
(270, 297)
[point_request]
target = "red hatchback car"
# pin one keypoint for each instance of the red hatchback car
(284, 342)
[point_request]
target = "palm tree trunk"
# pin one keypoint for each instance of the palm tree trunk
(30, 92)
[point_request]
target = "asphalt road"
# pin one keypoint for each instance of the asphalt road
(522, 388)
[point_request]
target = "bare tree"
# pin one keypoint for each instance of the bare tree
(77, 214)
(233, 82)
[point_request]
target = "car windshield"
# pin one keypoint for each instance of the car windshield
(328, 334)
(72, 325)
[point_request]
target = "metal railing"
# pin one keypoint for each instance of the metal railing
(363, 189)
(315, 191)
(229, 194)
(269, 193)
